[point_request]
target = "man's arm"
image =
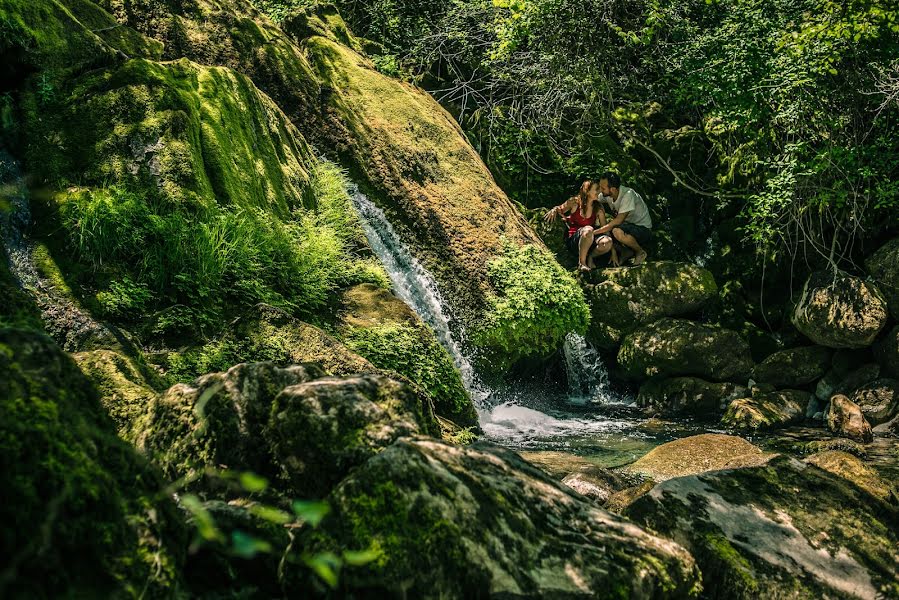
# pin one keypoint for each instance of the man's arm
(618, 220)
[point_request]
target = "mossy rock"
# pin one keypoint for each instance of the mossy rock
(878, 400)
(627, 298)
(794, 367)
(766, 410)
(687, 396)
(844, 417)
(480, 522)
(384, 330)
(126, 389)
(264, 333)
(838, 310)
(85, 516)
(677, 347)
(288, 424)
(698, 454)
(850, 467)
(785, 529)
(883, 266)
(18, 309)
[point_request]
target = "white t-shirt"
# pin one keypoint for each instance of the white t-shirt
(632, 203)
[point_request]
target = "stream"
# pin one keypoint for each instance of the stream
(588, 418)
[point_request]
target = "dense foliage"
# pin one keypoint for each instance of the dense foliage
(534, 306)
(782, 111)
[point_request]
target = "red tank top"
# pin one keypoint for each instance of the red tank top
(576, 220)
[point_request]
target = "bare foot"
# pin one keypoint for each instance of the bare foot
(583, 268)
(638, 260)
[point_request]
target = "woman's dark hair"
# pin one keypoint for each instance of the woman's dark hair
(613, 178)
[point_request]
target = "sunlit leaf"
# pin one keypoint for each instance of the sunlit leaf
(271, 514)
(252, 482)
(326, 565)
(203, 520)
(247, 546)
(360, 557)
(310, 511)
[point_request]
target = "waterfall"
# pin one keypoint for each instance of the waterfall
(588, 378)
(414, 284)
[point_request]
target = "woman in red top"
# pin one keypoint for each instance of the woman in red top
(580, 213)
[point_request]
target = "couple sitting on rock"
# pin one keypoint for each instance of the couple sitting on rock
(623, 236)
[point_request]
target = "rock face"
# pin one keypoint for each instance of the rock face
(766, 410)
(698, 454)
(423, 505)
(887, 352)
(83, 515)
(834, 383)
(596, 483)
(794, 367)
(779, 530)
(687, 396)
(624, 299)
(883, 266)
(878, 400)
(845, 418)
(840, 311)
(289, 423)
(676, 347)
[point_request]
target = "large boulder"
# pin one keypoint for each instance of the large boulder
(687, 396)
(623, 299)
(84, 515)
(878, 400)
(844, 417)
(834, 383)
(766, 409)
(883, 266)
(838, 310)
(479, 521)
(288, 423)
(785, 529)
(677, 347)
(698, 454)
(794, 367)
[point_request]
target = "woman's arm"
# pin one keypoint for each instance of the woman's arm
(555, 211)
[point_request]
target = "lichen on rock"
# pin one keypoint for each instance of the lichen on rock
(766, 409)
(687, 396)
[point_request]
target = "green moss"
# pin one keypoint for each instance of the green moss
(17, 308)
(86, 517)
(413, 351)
(535, 304)
(738, 569)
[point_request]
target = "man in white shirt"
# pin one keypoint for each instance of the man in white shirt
(632, 225)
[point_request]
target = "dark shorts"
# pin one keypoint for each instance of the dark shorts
(640, 233)
(573, 241)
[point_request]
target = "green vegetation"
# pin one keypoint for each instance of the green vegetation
(414, 352)
(535, 305)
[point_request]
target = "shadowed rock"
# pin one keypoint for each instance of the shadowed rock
(688, 396)
(794, 367)
(844, 417)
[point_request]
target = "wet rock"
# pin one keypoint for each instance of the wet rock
(596, 483)
(288, 423)
(624, 299)
(480, 522)
(878, 400)
(834, 445)
(794, 367)
(850, 467)
(845, 418)
(687, 396)
(883, 266)
(698, 454)
(838, 310)
(555, 463)
(783, 529)
(766, 410)
(677, 347)
(887, 352)
(84, 516)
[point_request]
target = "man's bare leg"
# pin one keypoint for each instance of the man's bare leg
(584, 245)
(628, 240)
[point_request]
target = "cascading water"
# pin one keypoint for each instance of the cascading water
(413, 284)
(588, 379)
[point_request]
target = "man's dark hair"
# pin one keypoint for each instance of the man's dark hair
(613, 178)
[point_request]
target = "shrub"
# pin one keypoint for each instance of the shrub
(535, 304)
